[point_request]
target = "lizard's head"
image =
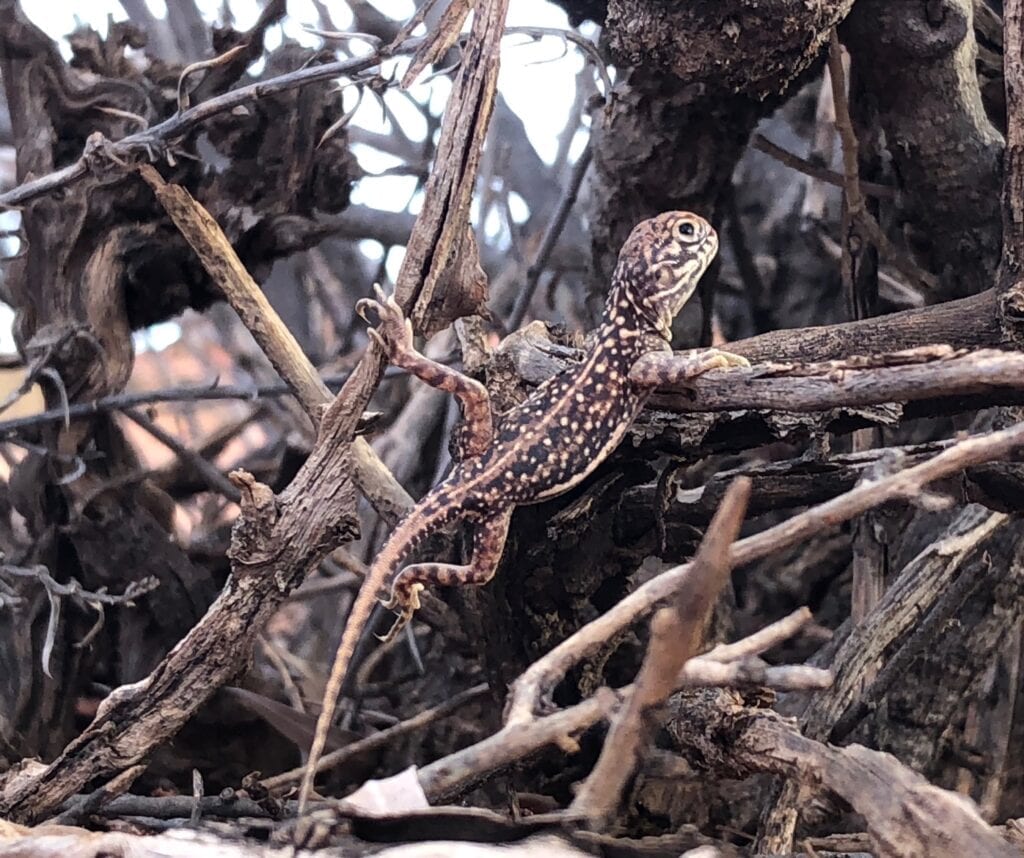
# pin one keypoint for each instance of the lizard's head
(660, 264)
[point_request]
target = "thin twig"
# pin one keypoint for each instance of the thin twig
(209, 472)
(155, 139)
(76, 591)
(762, 640)
(187, 393)
(703, 673)
(55, 592)
(550, 239)
(214, 62)
(815, 171)
(384, 737)
(517, 741)
(750, 275)
(582, 42)
(852, 186)
(273, 654)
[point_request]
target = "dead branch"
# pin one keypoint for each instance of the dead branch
(851, 176)
(845, 384)
(802, 165)
(905, 814)
(677, 633)
(930, 372)
(531, 689)
(551, 234)
(208, 472)
(212, 392)
(518, 741)
(783, 484)
(277, 342)
(949, 171)
(222, 263)
(967, 323)
(143, 144)
(913, 614)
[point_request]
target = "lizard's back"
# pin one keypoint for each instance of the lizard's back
(552, 440)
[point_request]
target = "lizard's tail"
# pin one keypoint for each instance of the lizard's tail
(436, 510)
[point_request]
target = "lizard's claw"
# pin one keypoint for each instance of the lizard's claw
(405, 602)
(394, 331)
(375, 335)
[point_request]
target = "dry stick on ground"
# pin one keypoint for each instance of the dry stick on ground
(530, 690)
(677, 633)
(727, 664)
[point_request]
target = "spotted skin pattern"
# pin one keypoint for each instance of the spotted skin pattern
(544, 446)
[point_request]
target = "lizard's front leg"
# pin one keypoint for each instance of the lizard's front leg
(488, 544)
(658, 368)
(395, 336)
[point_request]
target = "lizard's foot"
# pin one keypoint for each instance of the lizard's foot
(404, 601)
(393, 332)
(718, 359)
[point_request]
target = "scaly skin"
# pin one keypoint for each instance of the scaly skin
(541, 448)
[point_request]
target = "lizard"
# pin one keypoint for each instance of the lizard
(543, 446)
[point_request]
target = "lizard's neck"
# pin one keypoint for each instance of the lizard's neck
(626, 331)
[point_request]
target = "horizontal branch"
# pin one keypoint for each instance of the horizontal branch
(186, 393)
(839, 384)
(968, 323)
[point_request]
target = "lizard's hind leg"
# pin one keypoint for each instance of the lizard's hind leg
(394, 334)
(487, 547)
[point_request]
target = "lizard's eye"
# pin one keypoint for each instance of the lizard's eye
(686, 231)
